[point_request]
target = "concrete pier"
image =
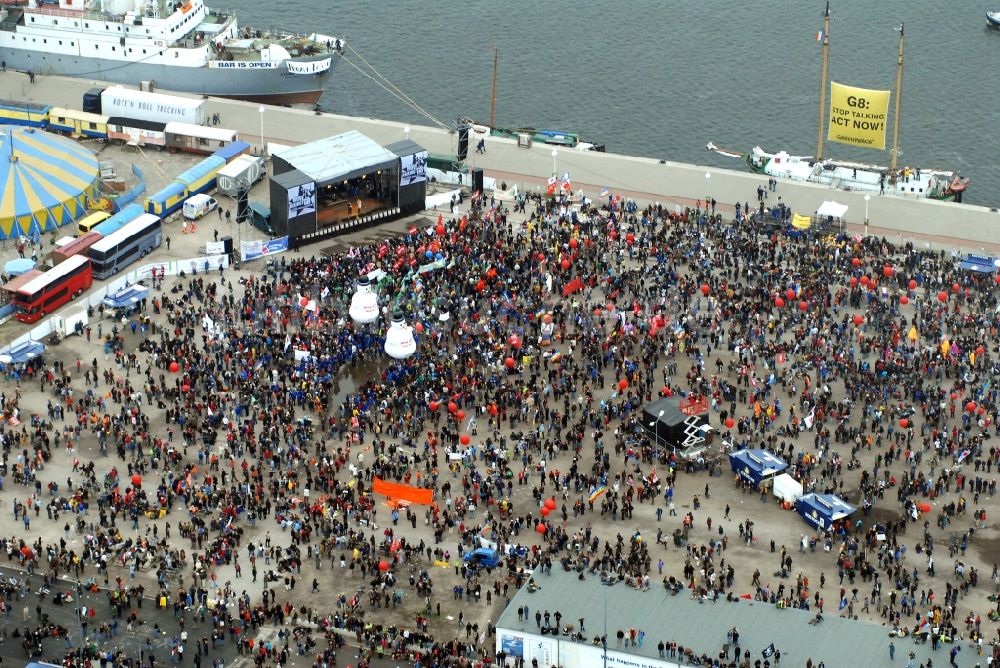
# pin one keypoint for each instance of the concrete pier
(898, 219)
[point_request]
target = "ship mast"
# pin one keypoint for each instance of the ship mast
(822, 83)
(493, 100)
(899, 102)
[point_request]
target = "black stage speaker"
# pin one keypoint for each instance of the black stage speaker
(477, 180)
(227, 244)
(242, 206)
(463, 142)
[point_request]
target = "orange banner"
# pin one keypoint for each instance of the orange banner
(394, 490)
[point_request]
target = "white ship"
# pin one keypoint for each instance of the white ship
(179, 46)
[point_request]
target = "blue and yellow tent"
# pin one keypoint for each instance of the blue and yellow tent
(45, 181)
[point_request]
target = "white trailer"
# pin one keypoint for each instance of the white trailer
(242, 172)
(154, 107)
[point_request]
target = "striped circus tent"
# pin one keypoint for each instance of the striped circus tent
(45, 181)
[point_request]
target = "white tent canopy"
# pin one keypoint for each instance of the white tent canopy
(831, 209)
(787, 488)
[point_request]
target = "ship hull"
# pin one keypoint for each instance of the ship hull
(272, 86)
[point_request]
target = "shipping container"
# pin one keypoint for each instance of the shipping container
(120, 101)
(75, 247)
(17, 112)
(233, 151)
(128, 213)
(242, 172)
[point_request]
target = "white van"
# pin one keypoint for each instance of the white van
(197, 206)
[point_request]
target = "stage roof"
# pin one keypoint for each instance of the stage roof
(343, 156)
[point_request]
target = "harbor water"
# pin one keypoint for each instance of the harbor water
(662, 79)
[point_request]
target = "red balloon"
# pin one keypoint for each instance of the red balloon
(865, 280)
(514, 341)
(980, 410)
(803, 306)
(623, 384)
(904, 423)
(887, 271)
(509, 362)
(856, 262)
(790, 294)
(630, 238)
(565, 264)
(904, 300)
(955, 287)
(854, 282)
(573, 243)
(541, 257)
(174, 367)
(942, 296)
(971, 406)
(383, 565)
(859, 320)
(136, 480)
(452, 407)
(459, 415)
(550, 503)
(779, 302)
(730, 423)
(980, 350)
(440, 230)
(996, 279)
(705, 289)
(419, 326)
(464, 439)
(545, 511)
(540, 528)
(912, 284)
(434, 405)
(954, 395)
(185, 388)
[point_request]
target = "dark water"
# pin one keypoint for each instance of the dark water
(662, 79)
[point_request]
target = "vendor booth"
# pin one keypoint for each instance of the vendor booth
(22, 352)
(127, 297)
(980, 264)
(786, 488)
(679, 424)
(822, 510)
(756, 467)
(332, 184)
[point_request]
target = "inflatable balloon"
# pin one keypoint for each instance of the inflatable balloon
(623, 384)
(383, 565)
(573, 243)
(854, 282)
(790, 294)
(174, 367)
(705, 289)
(859, 320)
(904, 423)
(540, 528)
(464, 439)
(459, 415)
(452, 407)
(971, 406)
(904, 300)
(942, 296)
(779, 302)
(550, 503)
(856, 262)
(136, 480)
(865, 280)
(545, 511)
(955, 287)
(509, 362)
(730, 423)
(912, 284)
(565, 264)
(803, 306)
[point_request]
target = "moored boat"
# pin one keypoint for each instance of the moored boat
(176, 45)
(993, 19)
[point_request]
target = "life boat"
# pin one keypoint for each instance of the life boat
(959, 184)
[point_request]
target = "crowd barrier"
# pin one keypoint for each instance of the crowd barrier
(65, 322)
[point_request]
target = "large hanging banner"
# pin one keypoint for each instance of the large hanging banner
(251, 250)
(858, 116)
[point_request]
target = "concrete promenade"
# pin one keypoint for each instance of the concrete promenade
(942, 223)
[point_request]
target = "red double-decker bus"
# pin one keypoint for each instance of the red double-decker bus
(44, 294)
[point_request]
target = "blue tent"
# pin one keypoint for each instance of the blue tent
(755, 466)
(22, 352)
(128, 296)
(822, 510)
(979, 264)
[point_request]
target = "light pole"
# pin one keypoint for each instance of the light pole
(263, 146)
(867, 199)
(555, 154)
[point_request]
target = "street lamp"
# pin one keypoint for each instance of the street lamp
(867, 199)
(263, 147)
(555, 153)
